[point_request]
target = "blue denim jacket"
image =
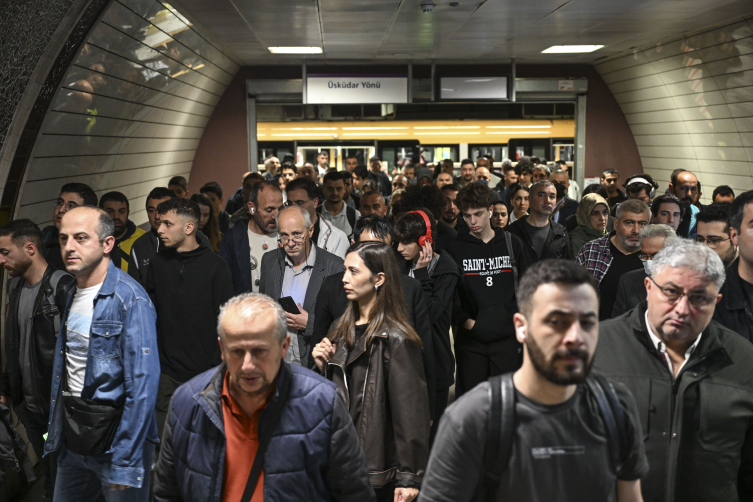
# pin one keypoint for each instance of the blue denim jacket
(122, 367)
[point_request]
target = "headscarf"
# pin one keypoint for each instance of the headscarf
(587, 203)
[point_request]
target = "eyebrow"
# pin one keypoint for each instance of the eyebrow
(590, 313)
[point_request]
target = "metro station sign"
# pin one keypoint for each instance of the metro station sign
(356, 89)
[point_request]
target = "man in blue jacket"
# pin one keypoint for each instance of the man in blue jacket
(106, 357)
(221, 420)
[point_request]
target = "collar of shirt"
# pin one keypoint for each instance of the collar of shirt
(662, 347)
(332, 215)
(309, 261)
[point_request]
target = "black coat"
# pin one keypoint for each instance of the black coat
(332, 302)
(567, 209)
(557, 243)
(698, 427)
(732, 311)
(631, 291)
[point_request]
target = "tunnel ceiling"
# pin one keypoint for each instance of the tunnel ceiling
(473, 31)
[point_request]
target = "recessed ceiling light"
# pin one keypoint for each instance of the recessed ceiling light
(571, 49)
(295, 50)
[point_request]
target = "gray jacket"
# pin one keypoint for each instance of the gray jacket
(698, 428)
(270, 283)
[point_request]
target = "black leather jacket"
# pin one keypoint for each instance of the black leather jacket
(45, 320)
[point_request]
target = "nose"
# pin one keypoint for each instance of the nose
(682, 307)
(248, 362)
(574, 335)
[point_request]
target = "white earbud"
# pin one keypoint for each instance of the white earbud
(252, 210)
(522, 332)
(490, 214)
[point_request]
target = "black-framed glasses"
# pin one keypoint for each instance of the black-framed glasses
(297, 238)
(712, 243)
(299, 203)
(68, 205)
(673, 294)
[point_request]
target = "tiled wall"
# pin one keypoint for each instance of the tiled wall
(130, 111)
(689, 104)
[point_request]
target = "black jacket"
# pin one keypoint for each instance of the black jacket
(187, 290)
(631, 291)
(445, 235)
(698, 428)
(732, 311)
(557, 243)
(332, 302)
(486, 290)
(567, 209)
(236, 250)
(44, 331)
(439, 292)
(52, 247)
(142, 251)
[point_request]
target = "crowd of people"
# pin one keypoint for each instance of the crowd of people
(302, 343)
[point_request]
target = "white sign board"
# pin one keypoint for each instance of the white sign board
(356, 89)
(566, 85)
(474, 88)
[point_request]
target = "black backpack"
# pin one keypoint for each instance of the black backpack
(13, 451)
(501, 426)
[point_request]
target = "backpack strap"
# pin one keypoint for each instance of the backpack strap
(350, 213)
(500, 432)
(513, 263)
(615, 420)
(50, 294)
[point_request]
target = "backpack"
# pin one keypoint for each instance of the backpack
(13, 451)
(501, 426)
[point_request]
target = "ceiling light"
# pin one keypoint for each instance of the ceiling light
(295, 50)
(571, 49)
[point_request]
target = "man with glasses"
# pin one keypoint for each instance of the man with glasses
(304, 193)
(691, 379)
(631, 290)
(296, 270)
(735, 309)
(684, 186)
(713, 230)
(72, 195)
(615, 254)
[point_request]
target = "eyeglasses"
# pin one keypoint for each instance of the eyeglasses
(712, 243)
(645, 256)
(297, 238)
(674, 295)
(68, 205)
(299, 203)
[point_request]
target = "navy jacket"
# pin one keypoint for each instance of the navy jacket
(313, 455)
(236, 251)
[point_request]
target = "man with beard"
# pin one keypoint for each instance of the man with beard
(244, 245)
(116, 205)
(467, 171)
(451, 213)
(692, 378)
(546, 423)
(615, 254)
(714, 231)
(684, 186)
(37, 296)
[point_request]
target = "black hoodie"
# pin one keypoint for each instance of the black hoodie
(187, 290)
(486, 289)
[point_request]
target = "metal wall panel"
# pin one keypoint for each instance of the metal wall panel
(130, 110)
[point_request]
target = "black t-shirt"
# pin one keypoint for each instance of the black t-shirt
(748, 291)
(538, 237)
(621, 264)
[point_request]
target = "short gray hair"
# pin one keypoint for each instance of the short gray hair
(658, 230)
(683, 253)
(249, 306)
(634, 206)
(305, 214)
(544, 167)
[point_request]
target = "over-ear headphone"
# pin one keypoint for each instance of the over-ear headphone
(643, 181)
(427, 236)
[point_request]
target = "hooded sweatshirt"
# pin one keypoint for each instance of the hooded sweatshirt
(486, 289)
(585, 232)
(187, 290)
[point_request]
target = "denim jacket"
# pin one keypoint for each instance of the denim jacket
(122, 367)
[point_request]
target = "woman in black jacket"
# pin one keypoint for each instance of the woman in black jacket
(438, 274)
(374, 356)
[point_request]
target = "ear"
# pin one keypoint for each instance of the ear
(251, 207)
(316, 201)
(190, 227)
(311, 231)
(379, 279)
(30, 248)
(285, 346)
(521, 326)
(734, 236)
(109, 244)
(647, 282)
(222, 349)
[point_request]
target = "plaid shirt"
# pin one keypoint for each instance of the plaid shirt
(596, 256)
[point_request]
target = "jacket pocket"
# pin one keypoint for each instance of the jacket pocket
(725, 414)
(105, 339)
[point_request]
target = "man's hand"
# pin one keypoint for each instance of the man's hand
(405, 494)
(297, 322)
(114, 487)
(469, 324)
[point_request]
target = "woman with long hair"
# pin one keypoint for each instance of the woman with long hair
(208, 223)
(373, 355)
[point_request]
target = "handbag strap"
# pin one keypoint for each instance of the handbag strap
(275, 411)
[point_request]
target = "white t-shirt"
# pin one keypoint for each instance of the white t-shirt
(259, 245)
(78, 327)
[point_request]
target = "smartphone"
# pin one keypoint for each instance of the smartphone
(288, 305)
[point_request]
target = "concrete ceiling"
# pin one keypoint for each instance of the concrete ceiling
(387, 31)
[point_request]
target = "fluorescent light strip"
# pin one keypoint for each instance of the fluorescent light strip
(571, 49)
(372, 128)
(295, 50)
(305, 134)
(520, 127)
(449, 127)
(517, 132)
(304, 128)
(445, 133)
(376, 133)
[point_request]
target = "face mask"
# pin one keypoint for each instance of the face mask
(648, 266)
(485, 182)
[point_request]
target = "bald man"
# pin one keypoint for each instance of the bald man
(373, 203)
